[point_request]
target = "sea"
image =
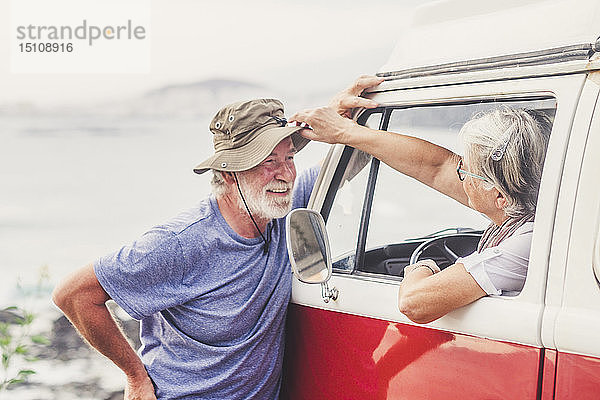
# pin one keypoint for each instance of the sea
(73, 188)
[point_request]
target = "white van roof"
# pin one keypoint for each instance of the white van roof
(465, 33)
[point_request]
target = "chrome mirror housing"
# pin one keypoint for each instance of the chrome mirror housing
(308, 246)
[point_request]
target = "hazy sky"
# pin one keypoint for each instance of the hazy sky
(299, 45)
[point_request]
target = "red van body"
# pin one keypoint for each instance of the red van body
(456, 59)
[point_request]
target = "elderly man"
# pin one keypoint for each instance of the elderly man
(212, 285)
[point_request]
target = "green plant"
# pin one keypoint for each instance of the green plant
(15, 342)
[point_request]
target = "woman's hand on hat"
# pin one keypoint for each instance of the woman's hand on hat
(326, 125)
(349, 99)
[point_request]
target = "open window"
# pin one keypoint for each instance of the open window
(380, 217)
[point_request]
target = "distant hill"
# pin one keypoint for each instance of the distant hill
(191, 99)
(195, 99)
(213, 85)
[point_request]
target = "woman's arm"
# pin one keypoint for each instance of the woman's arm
(424, 296)
(433, 165)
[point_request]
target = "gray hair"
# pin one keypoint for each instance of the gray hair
(508, 147)
(217, 183)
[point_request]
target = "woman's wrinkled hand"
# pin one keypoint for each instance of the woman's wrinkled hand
(347, 100)
(332, 124)
(325, 124)
(425, 264)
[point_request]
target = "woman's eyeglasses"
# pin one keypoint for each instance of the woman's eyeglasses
(462, 173)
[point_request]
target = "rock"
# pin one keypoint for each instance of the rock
(129, 326)
(8, 316)
(115, 396)
(66, 344)
(92, 376)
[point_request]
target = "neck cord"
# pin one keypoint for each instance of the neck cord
(268, 232)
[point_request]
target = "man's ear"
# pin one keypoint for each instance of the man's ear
(228, 177)
(501, 200)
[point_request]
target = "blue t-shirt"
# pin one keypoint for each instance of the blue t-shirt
(212, 305)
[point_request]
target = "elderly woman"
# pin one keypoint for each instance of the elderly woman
(499, 176)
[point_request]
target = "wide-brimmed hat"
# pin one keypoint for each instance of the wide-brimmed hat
(246, 132)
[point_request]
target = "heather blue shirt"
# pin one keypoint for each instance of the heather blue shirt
(212, 305)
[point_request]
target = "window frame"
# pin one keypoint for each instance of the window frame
(368, 198)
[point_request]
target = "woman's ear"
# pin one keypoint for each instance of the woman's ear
(501, 201)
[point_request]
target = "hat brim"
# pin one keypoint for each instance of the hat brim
(253, 153)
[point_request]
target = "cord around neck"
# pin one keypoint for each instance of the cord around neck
(267, 240)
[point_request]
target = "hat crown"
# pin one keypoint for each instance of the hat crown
(235, 124)
(245, 133)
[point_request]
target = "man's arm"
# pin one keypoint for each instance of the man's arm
(425, 296)
(83, 301)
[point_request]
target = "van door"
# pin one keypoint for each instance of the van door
(360, 346)
(572, 318)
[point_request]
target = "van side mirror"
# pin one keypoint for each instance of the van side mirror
(308, 246)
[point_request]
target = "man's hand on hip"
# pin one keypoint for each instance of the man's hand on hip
(140, 389)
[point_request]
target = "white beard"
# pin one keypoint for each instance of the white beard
(261, 203)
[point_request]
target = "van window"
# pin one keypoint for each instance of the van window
(405, 212)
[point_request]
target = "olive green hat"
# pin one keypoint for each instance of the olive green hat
(246, 132)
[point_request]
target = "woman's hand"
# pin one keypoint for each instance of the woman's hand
(325, 125)
(347, 100)
(424, 264)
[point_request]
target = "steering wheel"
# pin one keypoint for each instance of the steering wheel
(440, 243)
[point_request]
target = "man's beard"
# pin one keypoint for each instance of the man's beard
(263, 204)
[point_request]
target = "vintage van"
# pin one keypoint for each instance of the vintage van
(346, 337)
